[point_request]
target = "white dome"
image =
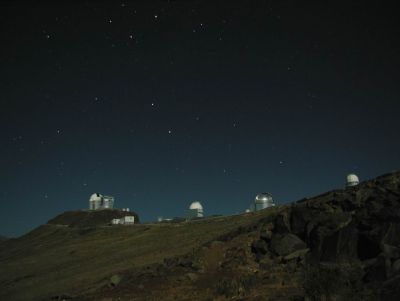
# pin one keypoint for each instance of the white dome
(352, 180)
(196, 205)
(95, 197)
(263, 198)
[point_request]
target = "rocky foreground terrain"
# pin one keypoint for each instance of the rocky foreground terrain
(342, 245)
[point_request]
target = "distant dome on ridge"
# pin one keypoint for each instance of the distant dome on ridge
(352, 180)
(196, 205)
(95, 197)
(264, 197)
(263, 200)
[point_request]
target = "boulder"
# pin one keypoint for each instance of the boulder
(377, 269)
(283, 245)
(390, 251)
(259, 248)
(297, 254)
(396, 266)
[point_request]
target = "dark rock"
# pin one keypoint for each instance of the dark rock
(259, 248)
(377, 270)
(267, 231)
(286, 244)
(300, 254)
(299, 218)
(367, 248)
(341, 245)
(185, 262)
(391, 289)
(333, 237)
(390, 251)
(282, 223)
(396, 266)
(266, 235)
(392, 236)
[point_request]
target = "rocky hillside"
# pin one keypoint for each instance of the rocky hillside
(342, 245)
(90, 218)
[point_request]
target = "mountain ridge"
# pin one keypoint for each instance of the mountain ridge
(339, 245)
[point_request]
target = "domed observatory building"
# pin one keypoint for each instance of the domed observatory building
(263, 200)
(195, 210)
(98, 201)
(95, 201)
(352, 180)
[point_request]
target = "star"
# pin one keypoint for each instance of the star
(169, 132)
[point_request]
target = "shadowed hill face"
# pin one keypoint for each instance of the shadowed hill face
(90, 218)
(341, 245)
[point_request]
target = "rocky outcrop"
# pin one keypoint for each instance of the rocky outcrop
(353, 233)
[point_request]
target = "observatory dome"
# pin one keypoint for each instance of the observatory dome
(95, 197)
(196, 205)
(263, 198)
(352, 180)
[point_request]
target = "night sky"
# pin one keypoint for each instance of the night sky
(160, 103)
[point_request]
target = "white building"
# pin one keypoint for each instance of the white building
(128, 220)
(352, 180)
(98, 201)
(116, 221)
(195, 210)
(263, 200)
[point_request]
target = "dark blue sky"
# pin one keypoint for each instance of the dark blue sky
(159, 103)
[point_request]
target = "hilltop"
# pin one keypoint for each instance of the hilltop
(341, 245)
(90, 218)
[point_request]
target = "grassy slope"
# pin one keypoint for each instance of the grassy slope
(56, 259)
